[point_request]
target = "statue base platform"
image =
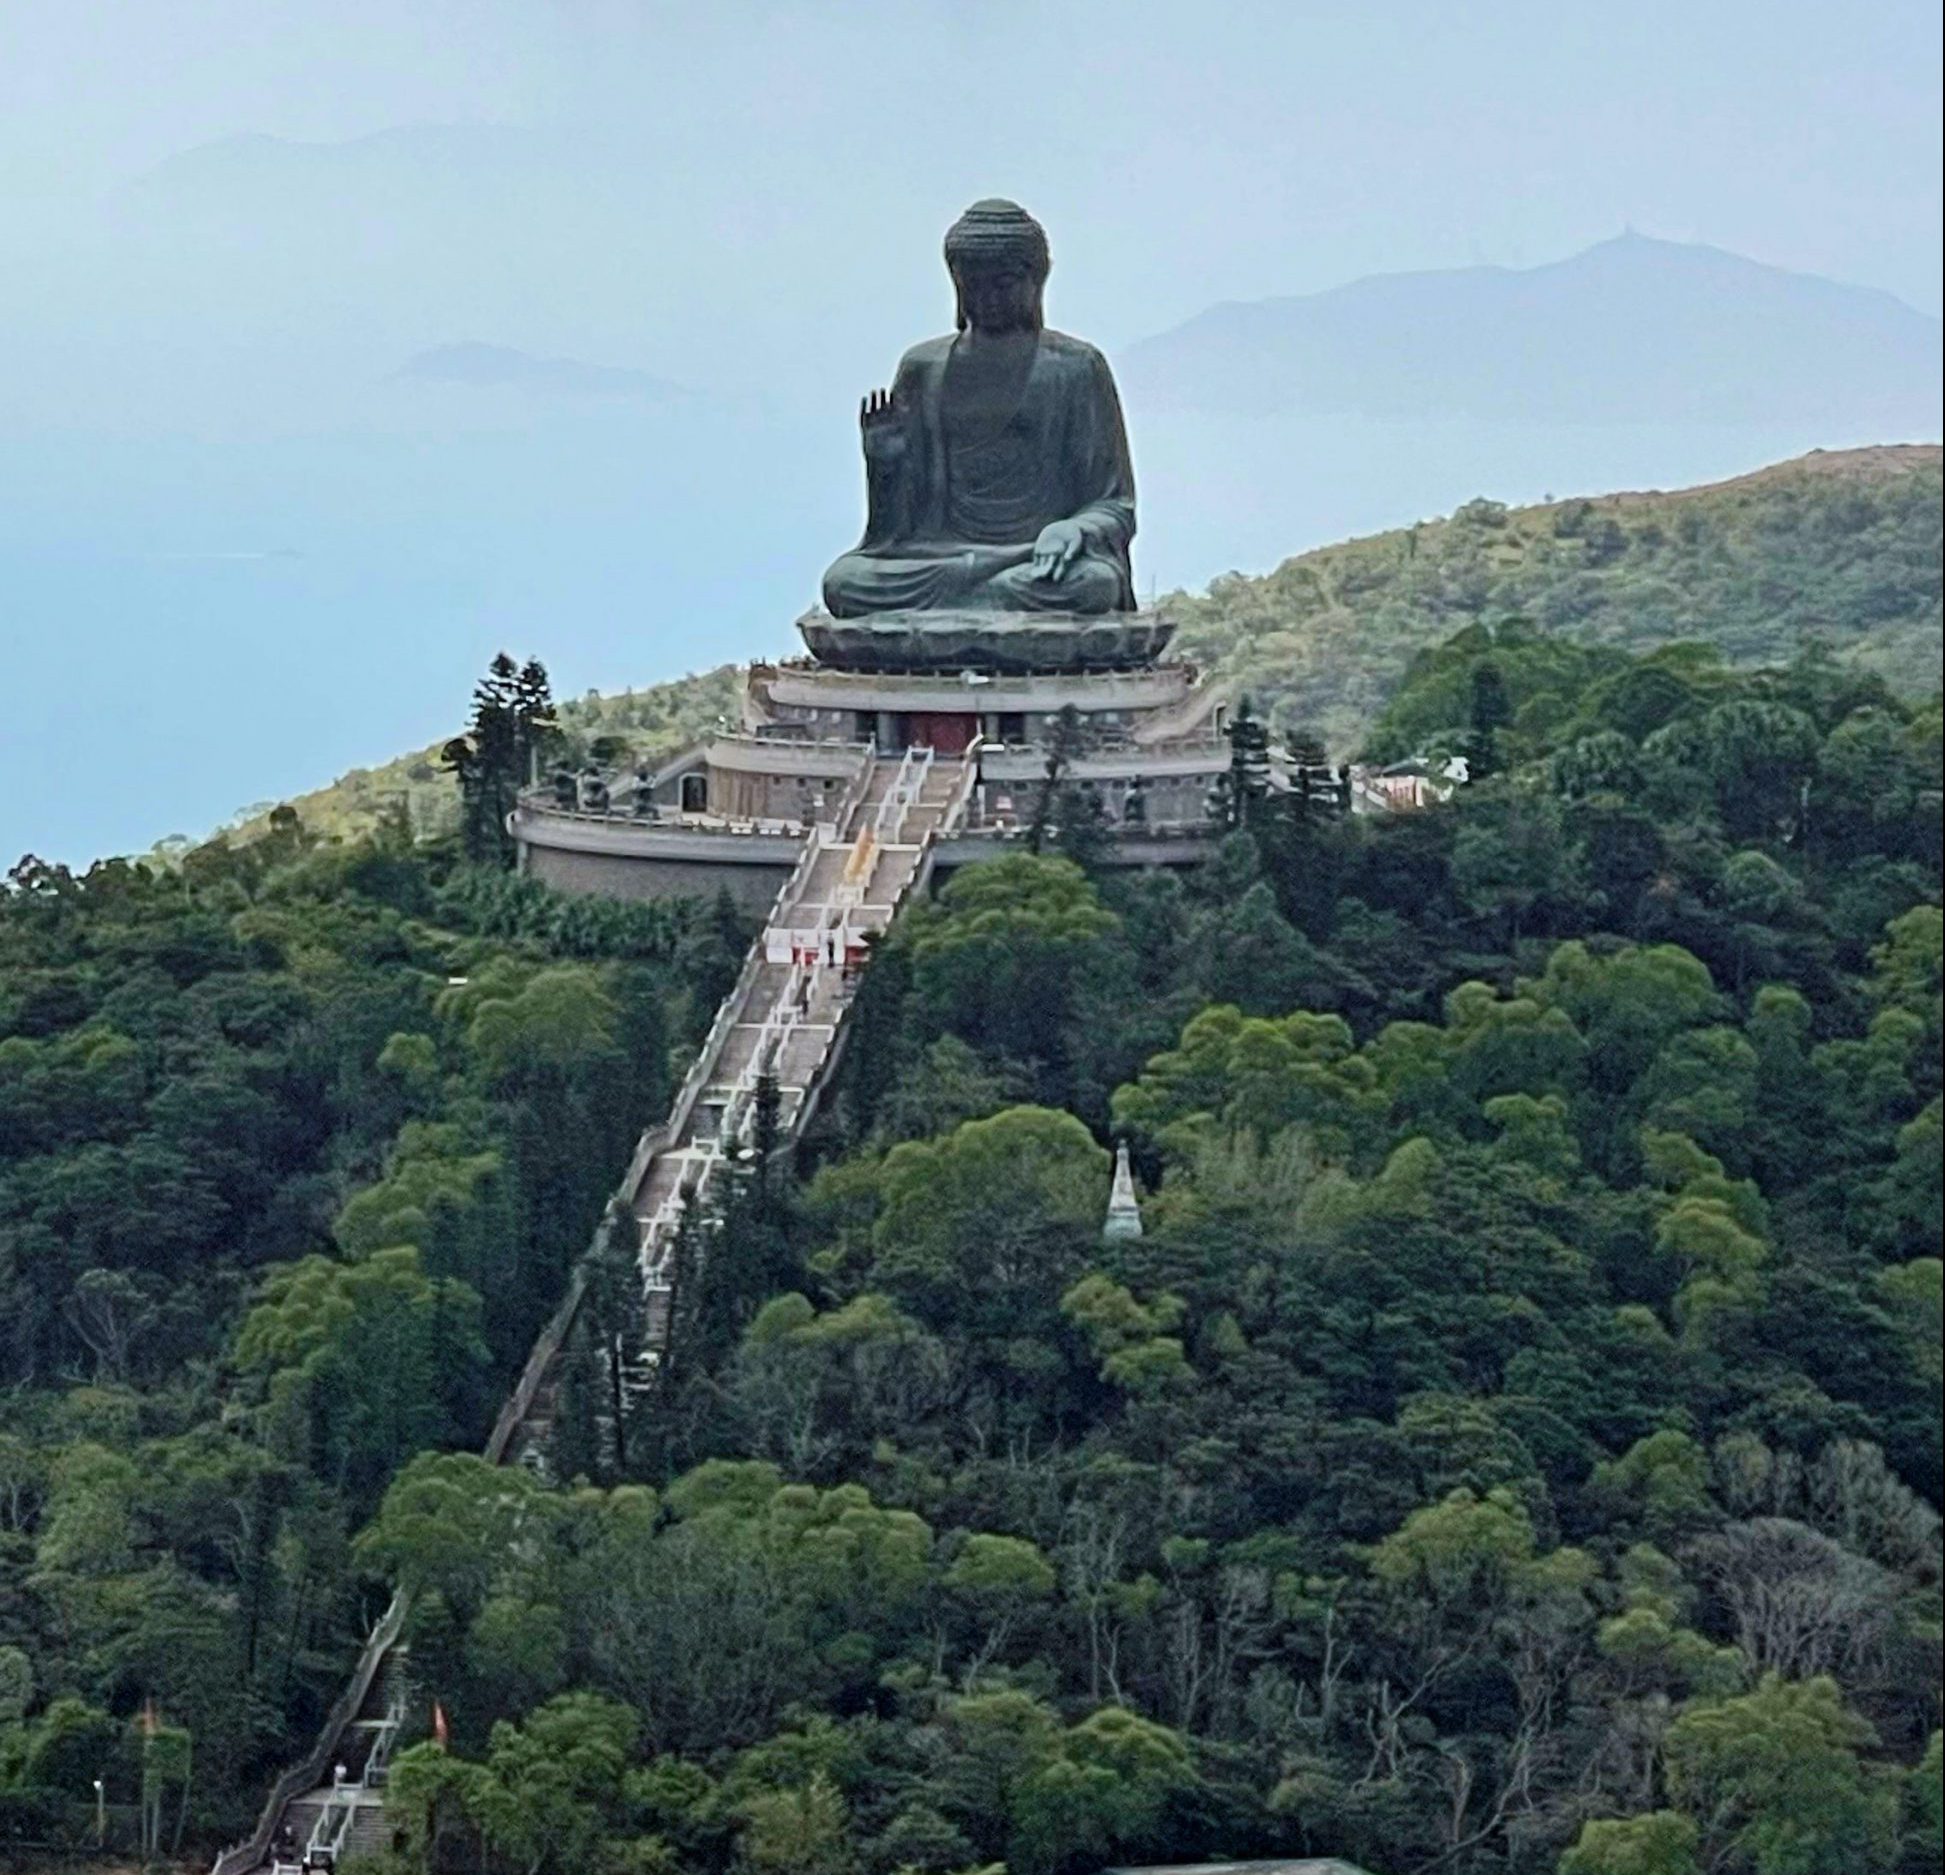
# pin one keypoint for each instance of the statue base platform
(988, 642)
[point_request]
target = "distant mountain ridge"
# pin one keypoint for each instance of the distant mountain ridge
(1631, 330)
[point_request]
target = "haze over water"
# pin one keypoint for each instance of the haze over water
(259, 522)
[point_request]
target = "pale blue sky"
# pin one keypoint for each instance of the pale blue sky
(1256, 145)
(241, 557)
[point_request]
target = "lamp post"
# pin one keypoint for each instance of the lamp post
(101, 1813)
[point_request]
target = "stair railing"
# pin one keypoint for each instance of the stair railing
(962, 793)
(904, 790)
(326, 1846)
(378, 1761)
(860, 785)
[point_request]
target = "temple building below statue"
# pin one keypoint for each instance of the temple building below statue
(1140, 734)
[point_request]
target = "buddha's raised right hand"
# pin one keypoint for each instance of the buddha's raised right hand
(883, 426)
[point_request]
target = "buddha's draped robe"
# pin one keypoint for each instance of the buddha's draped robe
(989, 454)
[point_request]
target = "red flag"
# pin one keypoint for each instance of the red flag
(440, 1731)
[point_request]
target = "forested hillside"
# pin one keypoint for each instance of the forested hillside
(1838, 549)
(296, 1145)
(1512, 1446)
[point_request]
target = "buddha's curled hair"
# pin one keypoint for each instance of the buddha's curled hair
(995, 232)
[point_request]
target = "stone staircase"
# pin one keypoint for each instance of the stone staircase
(327, 1827)
(784, 1019)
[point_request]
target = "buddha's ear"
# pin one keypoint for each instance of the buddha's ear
(959, 320)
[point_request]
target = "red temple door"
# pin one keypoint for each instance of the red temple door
(944, 732)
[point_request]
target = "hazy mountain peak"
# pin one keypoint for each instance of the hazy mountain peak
(1633, 329)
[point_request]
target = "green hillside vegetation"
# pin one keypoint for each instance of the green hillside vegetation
(1512, 1447)
(1839, 549)
(297, 1144)
(1538, 1300)
(633, 726)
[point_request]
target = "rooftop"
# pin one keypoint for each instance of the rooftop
(1302, 1865)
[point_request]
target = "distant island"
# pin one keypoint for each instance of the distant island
(1630, 331)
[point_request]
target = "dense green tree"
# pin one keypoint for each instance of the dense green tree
(994, 1216)
(1663, 1842)
(1000, 959)
(1775, 1781)
(500, 752)
(362, 1364)
(256, 1209)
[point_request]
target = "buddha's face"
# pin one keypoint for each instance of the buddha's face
(998, 296)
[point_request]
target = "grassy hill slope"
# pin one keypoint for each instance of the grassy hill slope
(649, 724)
(1840, 546)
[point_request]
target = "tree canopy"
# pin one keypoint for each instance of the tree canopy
(1510, 1446)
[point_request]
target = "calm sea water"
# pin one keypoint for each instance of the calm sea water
(194, 625)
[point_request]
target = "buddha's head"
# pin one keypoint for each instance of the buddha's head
(997, 255)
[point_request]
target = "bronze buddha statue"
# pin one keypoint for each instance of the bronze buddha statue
(997, 470)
